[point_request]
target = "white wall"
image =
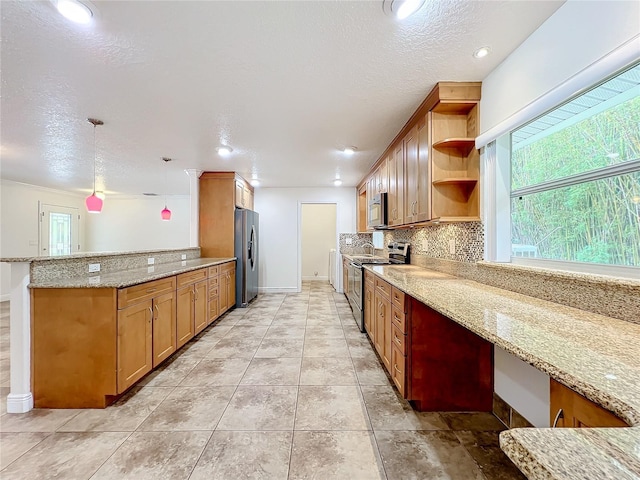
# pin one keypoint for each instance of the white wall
(575, 36)
(279, 210)
(318, 237)
(20, 223)
(134, 223)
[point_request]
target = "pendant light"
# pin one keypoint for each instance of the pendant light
(93, 202)
(165, 214)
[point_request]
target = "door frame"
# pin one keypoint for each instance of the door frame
(44, 207)
(309, 202)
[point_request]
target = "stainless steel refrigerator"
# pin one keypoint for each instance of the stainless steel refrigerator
(246, 251)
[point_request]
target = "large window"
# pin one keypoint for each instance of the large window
(575, 178)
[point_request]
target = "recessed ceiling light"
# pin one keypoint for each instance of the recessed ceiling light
(255, 182)
(74, 10)
(337, 182)
(349, 150)
(481, 52)
(224, 150)
(401, 9)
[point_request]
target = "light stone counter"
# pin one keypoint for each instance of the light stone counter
(126, 278)
(594, 355)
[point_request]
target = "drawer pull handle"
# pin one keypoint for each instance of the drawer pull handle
(559, 415)
(150, 313)
(395, 367)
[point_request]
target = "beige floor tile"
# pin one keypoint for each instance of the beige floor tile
(260, 408)
(123, 416)
(235, 347)
(37, 420)
(198, 348)
(272, 371)
(323, 331)
(436, 455)
(370, 372)
(388, 411)
(327, 371)
(331, 408)
(155, 456)
(171, 373)
(14, 445)
(325, 347)
(216, 371)
(335, 456)
(236, 455)
(280, 347)
(190, 408)
(285, 331)
(4, 391)
(65, 456)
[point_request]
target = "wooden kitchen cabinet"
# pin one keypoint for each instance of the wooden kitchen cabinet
(382, 338)
(214, 294)
(369, 324)
(164, 327)
(134, 344)
(417, 180)
(191, 304)
(345, 275)
(218, 199)
(572, 410)
(227, 286)
(396, 188)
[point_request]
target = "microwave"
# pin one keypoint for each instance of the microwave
(378, 211)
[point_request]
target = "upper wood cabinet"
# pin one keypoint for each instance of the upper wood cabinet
(220, 193)
(431, 169)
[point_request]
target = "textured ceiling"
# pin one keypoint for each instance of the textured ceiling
(286, 84)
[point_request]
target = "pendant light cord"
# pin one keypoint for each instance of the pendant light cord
(95, 158)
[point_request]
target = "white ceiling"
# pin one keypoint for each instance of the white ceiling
(286, 84)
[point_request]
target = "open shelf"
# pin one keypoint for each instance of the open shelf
(455, 181)
(461, 146)
(456, 108)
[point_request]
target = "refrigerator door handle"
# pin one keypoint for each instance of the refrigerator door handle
(251, 252)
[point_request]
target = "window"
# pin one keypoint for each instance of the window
(575, 178)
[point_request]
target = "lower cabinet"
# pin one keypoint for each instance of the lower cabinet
(134, 346)
(89, 345)
(436, 364)
(368, 304)
(570, 409)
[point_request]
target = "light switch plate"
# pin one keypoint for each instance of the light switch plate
(184, 256)
(94, 267)
(349, 241)
(151, 261)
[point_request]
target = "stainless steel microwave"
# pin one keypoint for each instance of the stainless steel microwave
(378, 211)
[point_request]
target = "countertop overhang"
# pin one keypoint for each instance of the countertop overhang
(597, 356)
(134, 276)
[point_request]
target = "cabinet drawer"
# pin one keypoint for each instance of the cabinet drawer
(398, 319)
(192, 277)
(213, 291)
(383, 287)
(213, 271)
(145, 291)
(397, 299)
(227, 267)
(213, 282)
(397, 369)
(368, 277)
(398, 339)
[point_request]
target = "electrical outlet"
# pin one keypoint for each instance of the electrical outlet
(151, 261)
(452, 246)
(94, 267)
(184, 256)
(349, 241)
(94, 280)
(151, 269)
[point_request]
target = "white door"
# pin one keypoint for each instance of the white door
(59, 230)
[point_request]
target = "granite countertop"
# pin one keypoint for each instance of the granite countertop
(126, 278)
(559, 341)
(90, 255)
(363, 258)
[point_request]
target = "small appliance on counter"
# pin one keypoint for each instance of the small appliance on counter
(398, 255)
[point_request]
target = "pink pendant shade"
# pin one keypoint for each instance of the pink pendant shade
(165, 214)
(94, 203)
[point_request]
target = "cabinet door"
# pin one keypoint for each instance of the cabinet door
(383, 177)
(184, 315)
(135, 350)
(411, 175)
(214, 299)
(423, 198)
(369, 325)
(398, 365)
(200, 306)
(578, 411)
(231, 292)
(164, 327)
(248, 198)
(383, 329)
(239, 194)
(396, 186)
(224, 297)
(345, 276)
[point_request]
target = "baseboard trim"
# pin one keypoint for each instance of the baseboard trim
(314, 278)
(278, 290)
(19, 402)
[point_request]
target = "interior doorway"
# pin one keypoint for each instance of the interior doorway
(318, 235)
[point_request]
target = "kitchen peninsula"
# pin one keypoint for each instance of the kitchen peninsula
(93, 336)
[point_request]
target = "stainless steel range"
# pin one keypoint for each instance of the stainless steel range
(398, 255)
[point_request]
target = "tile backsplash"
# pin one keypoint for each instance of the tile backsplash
(357, 243)
(434, 241)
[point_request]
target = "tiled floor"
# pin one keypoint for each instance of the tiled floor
(288, 388)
